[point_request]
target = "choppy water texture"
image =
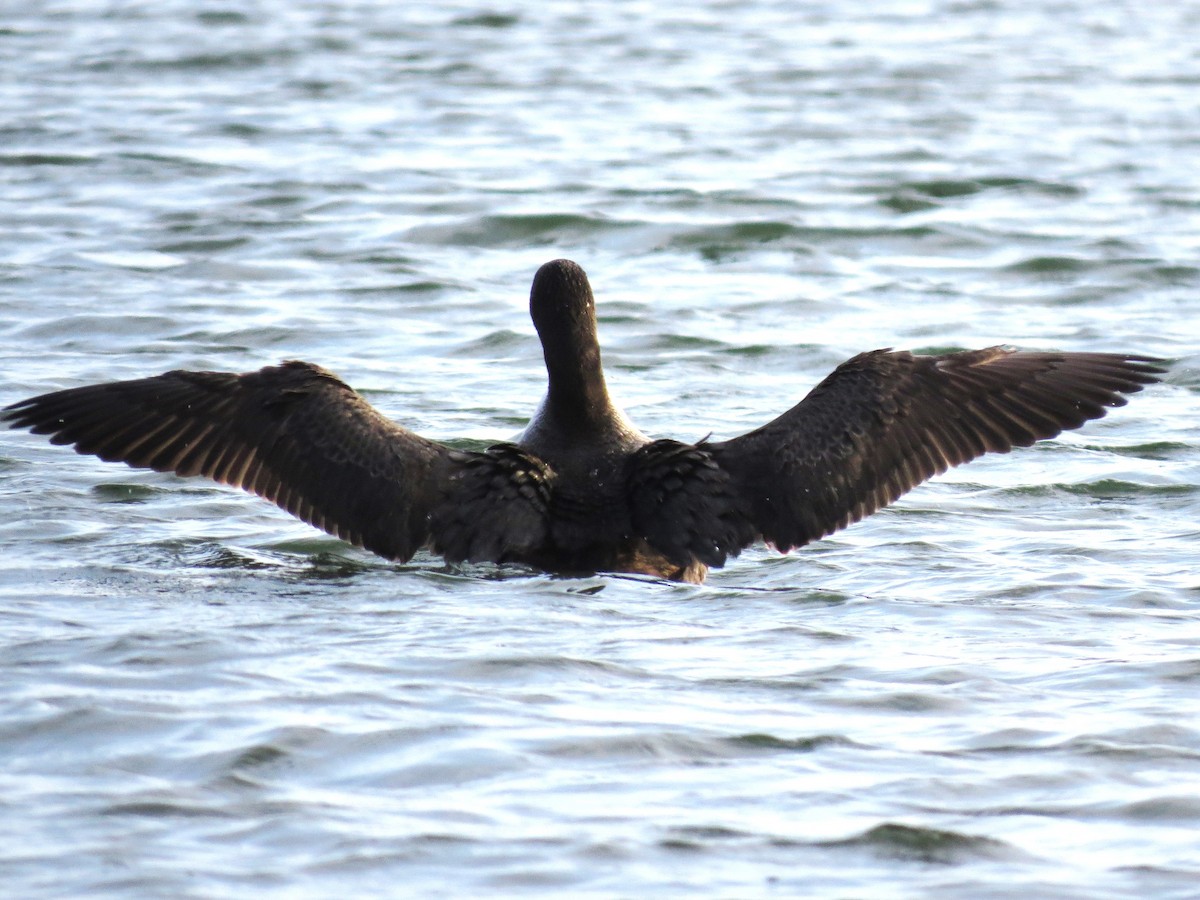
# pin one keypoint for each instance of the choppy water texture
(992, 688)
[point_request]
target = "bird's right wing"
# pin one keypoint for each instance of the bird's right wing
(885, 421)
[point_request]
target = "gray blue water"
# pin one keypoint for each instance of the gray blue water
(990, 689)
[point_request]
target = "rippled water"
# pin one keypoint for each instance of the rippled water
(991, 687)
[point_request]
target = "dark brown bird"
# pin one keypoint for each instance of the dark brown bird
(581, 489)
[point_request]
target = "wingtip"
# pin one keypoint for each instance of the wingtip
(16, 415)
(1153, 367)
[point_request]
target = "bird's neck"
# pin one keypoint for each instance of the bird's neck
(577, 400)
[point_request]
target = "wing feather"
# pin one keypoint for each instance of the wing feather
(884, 421)
(497, 507)
(684, 505)
(294, 434)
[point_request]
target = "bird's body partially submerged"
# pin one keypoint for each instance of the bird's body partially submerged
(582, 489)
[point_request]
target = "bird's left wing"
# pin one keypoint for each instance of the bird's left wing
(300, 437)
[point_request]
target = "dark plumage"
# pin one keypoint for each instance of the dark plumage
(582, 489)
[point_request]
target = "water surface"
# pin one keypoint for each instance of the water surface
(989, 688)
